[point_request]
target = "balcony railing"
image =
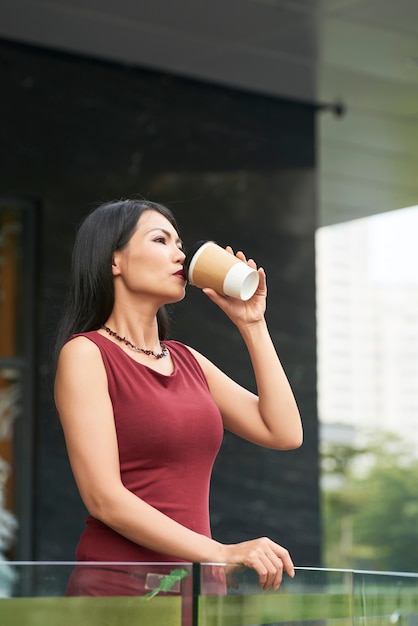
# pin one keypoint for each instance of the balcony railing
(158, 594)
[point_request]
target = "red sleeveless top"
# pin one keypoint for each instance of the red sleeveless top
(169, 432)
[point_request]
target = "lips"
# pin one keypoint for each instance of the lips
(180, 274)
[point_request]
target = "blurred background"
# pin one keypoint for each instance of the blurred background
(288, 128)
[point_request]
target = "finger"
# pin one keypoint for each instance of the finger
(262, 571)
(210, 292)
(276, 569)
(214, 295)
(271, 573)
(284, 555)
(264, 560)
(279, 577)
(273, 558)
(262, 283)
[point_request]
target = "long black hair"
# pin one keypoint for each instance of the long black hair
(90, 298)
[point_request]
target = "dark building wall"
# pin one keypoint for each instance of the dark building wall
(235, 167)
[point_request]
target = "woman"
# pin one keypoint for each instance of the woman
(143, 417)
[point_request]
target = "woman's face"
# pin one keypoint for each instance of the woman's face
(151, 265)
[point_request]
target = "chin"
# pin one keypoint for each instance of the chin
(176, 298)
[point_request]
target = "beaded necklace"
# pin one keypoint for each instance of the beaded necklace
(156, 355)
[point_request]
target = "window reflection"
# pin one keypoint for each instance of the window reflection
(10, 378)
(367, 320)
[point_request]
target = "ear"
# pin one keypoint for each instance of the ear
(115, 265)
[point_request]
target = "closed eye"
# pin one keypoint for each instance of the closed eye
(163, 240)
(166, 237)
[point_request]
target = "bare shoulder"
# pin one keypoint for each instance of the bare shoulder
(79, 348)
(80, 357)
(80, 378)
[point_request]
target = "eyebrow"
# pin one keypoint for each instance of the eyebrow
(166, 232)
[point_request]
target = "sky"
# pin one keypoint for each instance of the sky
(393, 246)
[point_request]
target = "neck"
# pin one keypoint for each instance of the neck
(141, 329)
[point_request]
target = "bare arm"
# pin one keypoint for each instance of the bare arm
(270, 418)
(85, 410)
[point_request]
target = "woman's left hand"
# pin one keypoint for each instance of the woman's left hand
(248, 312)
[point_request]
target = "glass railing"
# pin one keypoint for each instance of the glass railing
(95, 594)
(167, 594)
(314, 595)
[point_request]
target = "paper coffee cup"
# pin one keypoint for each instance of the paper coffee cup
(208, 265)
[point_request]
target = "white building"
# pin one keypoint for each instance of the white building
(367, 311)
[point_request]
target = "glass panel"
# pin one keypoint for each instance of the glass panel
(332, 597)
(388, 598)
(90, 594)
(367, 297)
(312, 595)
(167, 594)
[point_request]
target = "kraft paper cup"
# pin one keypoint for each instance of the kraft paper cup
(208, 265)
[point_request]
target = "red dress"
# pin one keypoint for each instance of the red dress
(169, 431)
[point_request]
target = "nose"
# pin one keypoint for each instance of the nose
(181, 255)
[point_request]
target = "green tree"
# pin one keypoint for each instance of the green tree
(387, 521)
(370, 517)
(339, 502)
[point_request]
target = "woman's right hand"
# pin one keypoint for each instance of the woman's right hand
(266, 557)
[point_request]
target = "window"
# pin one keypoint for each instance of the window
(18, 273)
